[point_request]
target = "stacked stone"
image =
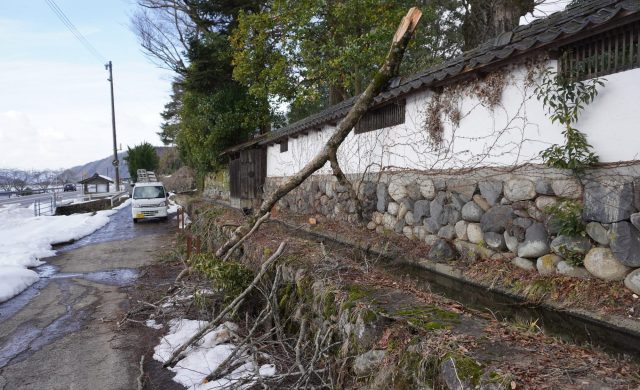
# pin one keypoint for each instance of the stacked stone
(325, 196)
(503, 219)
(506, 219)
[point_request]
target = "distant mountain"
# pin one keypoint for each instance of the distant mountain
(105, 166)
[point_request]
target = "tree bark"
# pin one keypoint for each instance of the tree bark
(388, 70)
(486, 19)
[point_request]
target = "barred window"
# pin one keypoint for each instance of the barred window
(385, 116)
(284, 145)
(609, 52)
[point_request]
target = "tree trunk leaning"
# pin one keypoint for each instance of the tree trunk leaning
(388, 70)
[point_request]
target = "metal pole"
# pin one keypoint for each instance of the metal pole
(116, 162)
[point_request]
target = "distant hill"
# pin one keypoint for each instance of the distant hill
(104, 166)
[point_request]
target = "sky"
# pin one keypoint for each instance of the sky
(55, 107)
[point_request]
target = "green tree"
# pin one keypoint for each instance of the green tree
(141, 156)
(171, 115)
(565, 98)
(312, 51)
(315, 53)
(208, 111)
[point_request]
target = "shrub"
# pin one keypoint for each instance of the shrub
(566, 215)
(229, 277)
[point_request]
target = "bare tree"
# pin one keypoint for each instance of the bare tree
(5, 180)
(46, 178)
(20, 179)
(164, 28)
(66, 176)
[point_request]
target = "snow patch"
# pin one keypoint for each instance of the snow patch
(205, 356)
(25, 240)
(153, 324)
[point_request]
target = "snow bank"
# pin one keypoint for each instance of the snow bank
(203, 358)
(25, 240)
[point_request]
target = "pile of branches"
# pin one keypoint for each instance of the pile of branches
(304, 353)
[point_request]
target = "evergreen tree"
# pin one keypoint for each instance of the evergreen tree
(141, 156)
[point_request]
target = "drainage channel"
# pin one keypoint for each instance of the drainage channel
(572, 326)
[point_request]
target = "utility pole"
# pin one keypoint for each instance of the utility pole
(115, 162)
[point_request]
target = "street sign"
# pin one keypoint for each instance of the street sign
(115, 163)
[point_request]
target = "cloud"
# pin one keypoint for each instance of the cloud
(58, 114)
(55, 106)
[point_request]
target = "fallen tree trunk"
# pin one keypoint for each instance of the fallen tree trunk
(388, 70)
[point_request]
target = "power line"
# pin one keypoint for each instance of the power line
(65, 20)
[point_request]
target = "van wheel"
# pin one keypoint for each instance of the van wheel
(135, 220)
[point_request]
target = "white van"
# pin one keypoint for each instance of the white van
(149, 200)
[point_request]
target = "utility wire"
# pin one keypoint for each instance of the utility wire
(65, 20)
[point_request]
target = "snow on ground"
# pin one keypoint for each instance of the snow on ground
(173, 208)
(25, 240)
(203, 358)
(151, 323)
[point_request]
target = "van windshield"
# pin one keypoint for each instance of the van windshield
(148, 192)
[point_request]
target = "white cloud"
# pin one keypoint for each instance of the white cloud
(58, 114)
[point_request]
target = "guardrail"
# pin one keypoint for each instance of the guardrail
(117, 197)
(46, 206)
(30, 191)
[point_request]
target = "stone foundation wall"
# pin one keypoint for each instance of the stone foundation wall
(84, 207)
(497, 213)
(216, 185)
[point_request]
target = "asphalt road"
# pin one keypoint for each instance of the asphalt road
(27, 200)
(61, 333)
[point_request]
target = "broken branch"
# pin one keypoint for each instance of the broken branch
(229, 308)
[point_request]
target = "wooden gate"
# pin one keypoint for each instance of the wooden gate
(247, 173)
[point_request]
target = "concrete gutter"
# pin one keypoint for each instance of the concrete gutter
(613, 333)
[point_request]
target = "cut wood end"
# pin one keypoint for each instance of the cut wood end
(408, 23)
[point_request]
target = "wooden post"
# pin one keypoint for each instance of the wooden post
(198, 244)
(189, 242)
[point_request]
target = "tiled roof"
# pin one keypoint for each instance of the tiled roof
(539, 34)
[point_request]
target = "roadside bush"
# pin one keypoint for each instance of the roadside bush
(229, 277)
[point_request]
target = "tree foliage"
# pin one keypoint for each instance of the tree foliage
(141, 156)
(238, 62)
(312, 52)
(208, 111)
(564, 99)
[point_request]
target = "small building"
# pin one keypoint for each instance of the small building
(96, 184)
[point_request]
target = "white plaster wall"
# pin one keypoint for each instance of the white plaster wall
(612, 121)
(513, 132)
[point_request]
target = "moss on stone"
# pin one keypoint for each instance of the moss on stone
(329, 307)
(429, 317)
(468, 369)
(369, 316)
(355, 293)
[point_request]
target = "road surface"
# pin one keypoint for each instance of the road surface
(61, 333)
(27, 200)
